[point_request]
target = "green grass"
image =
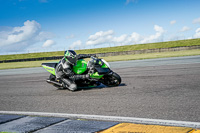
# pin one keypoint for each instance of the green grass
(111, 58)
(27, 64)
(169, 44)
(153, 55)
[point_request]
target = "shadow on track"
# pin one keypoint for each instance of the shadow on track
(101, 86)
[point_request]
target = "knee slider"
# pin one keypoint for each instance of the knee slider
(73, 87)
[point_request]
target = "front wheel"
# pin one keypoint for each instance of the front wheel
(112, 80)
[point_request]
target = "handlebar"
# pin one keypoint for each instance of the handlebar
(94, 58)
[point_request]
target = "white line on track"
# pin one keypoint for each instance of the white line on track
(111, 118)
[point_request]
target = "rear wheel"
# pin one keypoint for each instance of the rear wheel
(52, 77)
(112, 80)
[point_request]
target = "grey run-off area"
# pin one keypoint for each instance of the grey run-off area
(166, 88)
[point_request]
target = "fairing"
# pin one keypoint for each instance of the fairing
(80, 67)
(50, 67)
(96, 75)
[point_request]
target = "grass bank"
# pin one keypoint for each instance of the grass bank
(170, 44)
(109, 59)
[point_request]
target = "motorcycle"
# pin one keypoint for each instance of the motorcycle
(98, 69)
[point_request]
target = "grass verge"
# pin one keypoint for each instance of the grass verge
(109, 59)
(27, 64)
(170, 44)
(153, 55)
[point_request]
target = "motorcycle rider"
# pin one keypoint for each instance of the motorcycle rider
(64, 70)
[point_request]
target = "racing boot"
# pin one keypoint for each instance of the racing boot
(69, 84)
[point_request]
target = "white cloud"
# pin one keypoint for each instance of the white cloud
(185, 28)
(196, 21)
(76, 44)
(136, 37)
(158, 29)
(101, 34)
(103, 37)
(173, 37)
(100, 37)
(44, 35)
(48, 43)
(19, 38)
(156, 37)
(70, 36)
(172, 22)
(19, 34)
(120, 39)
(197, 34)
(128, 39)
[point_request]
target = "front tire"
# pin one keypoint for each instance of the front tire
(112, 80)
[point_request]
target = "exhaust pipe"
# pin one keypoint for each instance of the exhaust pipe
(54, 83)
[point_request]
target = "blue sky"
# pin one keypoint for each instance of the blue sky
(52, 25)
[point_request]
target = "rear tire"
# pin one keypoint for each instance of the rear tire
(112, 80)
(52, 77)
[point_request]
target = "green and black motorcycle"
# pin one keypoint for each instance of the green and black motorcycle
(98, 69)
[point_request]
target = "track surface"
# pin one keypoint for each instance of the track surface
(157, 91)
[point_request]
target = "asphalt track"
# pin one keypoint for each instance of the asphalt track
(158, 89)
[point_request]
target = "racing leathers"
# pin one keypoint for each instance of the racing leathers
(65, 73)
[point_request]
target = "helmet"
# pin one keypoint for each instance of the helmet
(70, 56)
